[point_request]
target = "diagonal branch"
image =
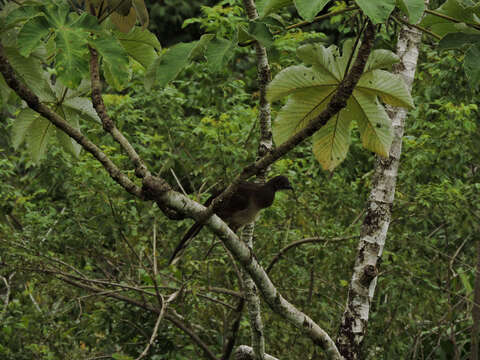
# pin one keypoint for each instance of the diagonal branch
(34, 103)
(108, 124)
(302, 242)
(337, 103)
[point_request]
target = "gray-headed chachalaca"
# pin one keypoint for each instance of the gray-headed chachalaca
(241, 209)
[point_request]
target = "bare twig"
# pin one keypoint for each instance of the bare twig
(155, 330)
(154, 246)
(53, 226)
(302, 242)
(449, 18)
(7, 295)
(418, 27)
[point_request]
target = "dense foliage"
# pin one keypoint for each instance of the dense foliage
(65, 214)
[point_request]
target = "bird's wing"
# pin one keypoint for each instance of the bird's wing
(239, 201)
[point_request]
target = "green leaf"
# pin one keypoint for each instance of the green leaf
(265, 7)
(71, 57)
(219, 51)
(31, 35)
(68, 144)
(458, 40)
(21, 125)
(118, 83)
(40, 133)
(464, 278)
(472, 65)
(31, 72)
(377, 11)
(35, 130)
(259, 31)
(381, 59)
(57, 13)
(115, 61)
(299, 77)
(299, 110)
(326, 61)
(167, 67)
(141, 45)
(308, 9)
(413, 9)
(83, 106)
(84, 22)
(456, 10)
(22, 13)
(5, 92)
(389, 87)
(373, 122)
(331, 142)
(310, 89)
(201, 46)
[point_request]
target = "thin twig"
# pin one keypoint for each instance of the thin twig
(302, 242)
(418, 27)
(7, 295)
(155, 330)
(449, 18)
(305, 23)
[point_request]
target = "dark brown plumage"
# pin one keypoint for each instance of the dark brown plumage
(241, 209)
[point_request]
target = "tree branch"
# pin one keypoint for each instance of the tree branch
(108, 124)
(244, 352)
(337, 103)
(168, 315)
(302, 242)
(34, 103)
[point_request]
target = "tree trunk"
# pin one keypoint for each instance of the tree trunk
(476, 308)
(378, 215)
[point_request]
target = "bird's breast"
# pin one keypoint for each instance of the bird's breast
(245, 216)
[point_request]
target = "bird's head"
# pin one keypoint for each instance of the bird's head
(280, 183)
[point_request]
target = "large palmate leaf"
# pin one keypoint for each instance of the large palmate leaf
(35, 130)
(31, 72)
(167, 67)
(265, 7)
(308, 9)
(412, 8)
(115, 61)
(310, 89)
(377, 11)
(141, 45)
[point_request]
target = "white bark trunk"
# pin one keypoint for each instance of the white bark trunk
(378, 216)
(244, 352)
(250, 290)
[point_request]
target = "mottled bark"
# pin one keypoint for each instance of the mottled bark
(476, 309)
(253, 302)
(246, 353)
(265, 146)
(378, 215)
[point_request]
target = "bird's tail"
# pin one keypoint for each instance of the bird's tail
(191, 233)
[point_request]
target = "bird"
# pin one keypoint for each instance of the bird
(242, 208)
